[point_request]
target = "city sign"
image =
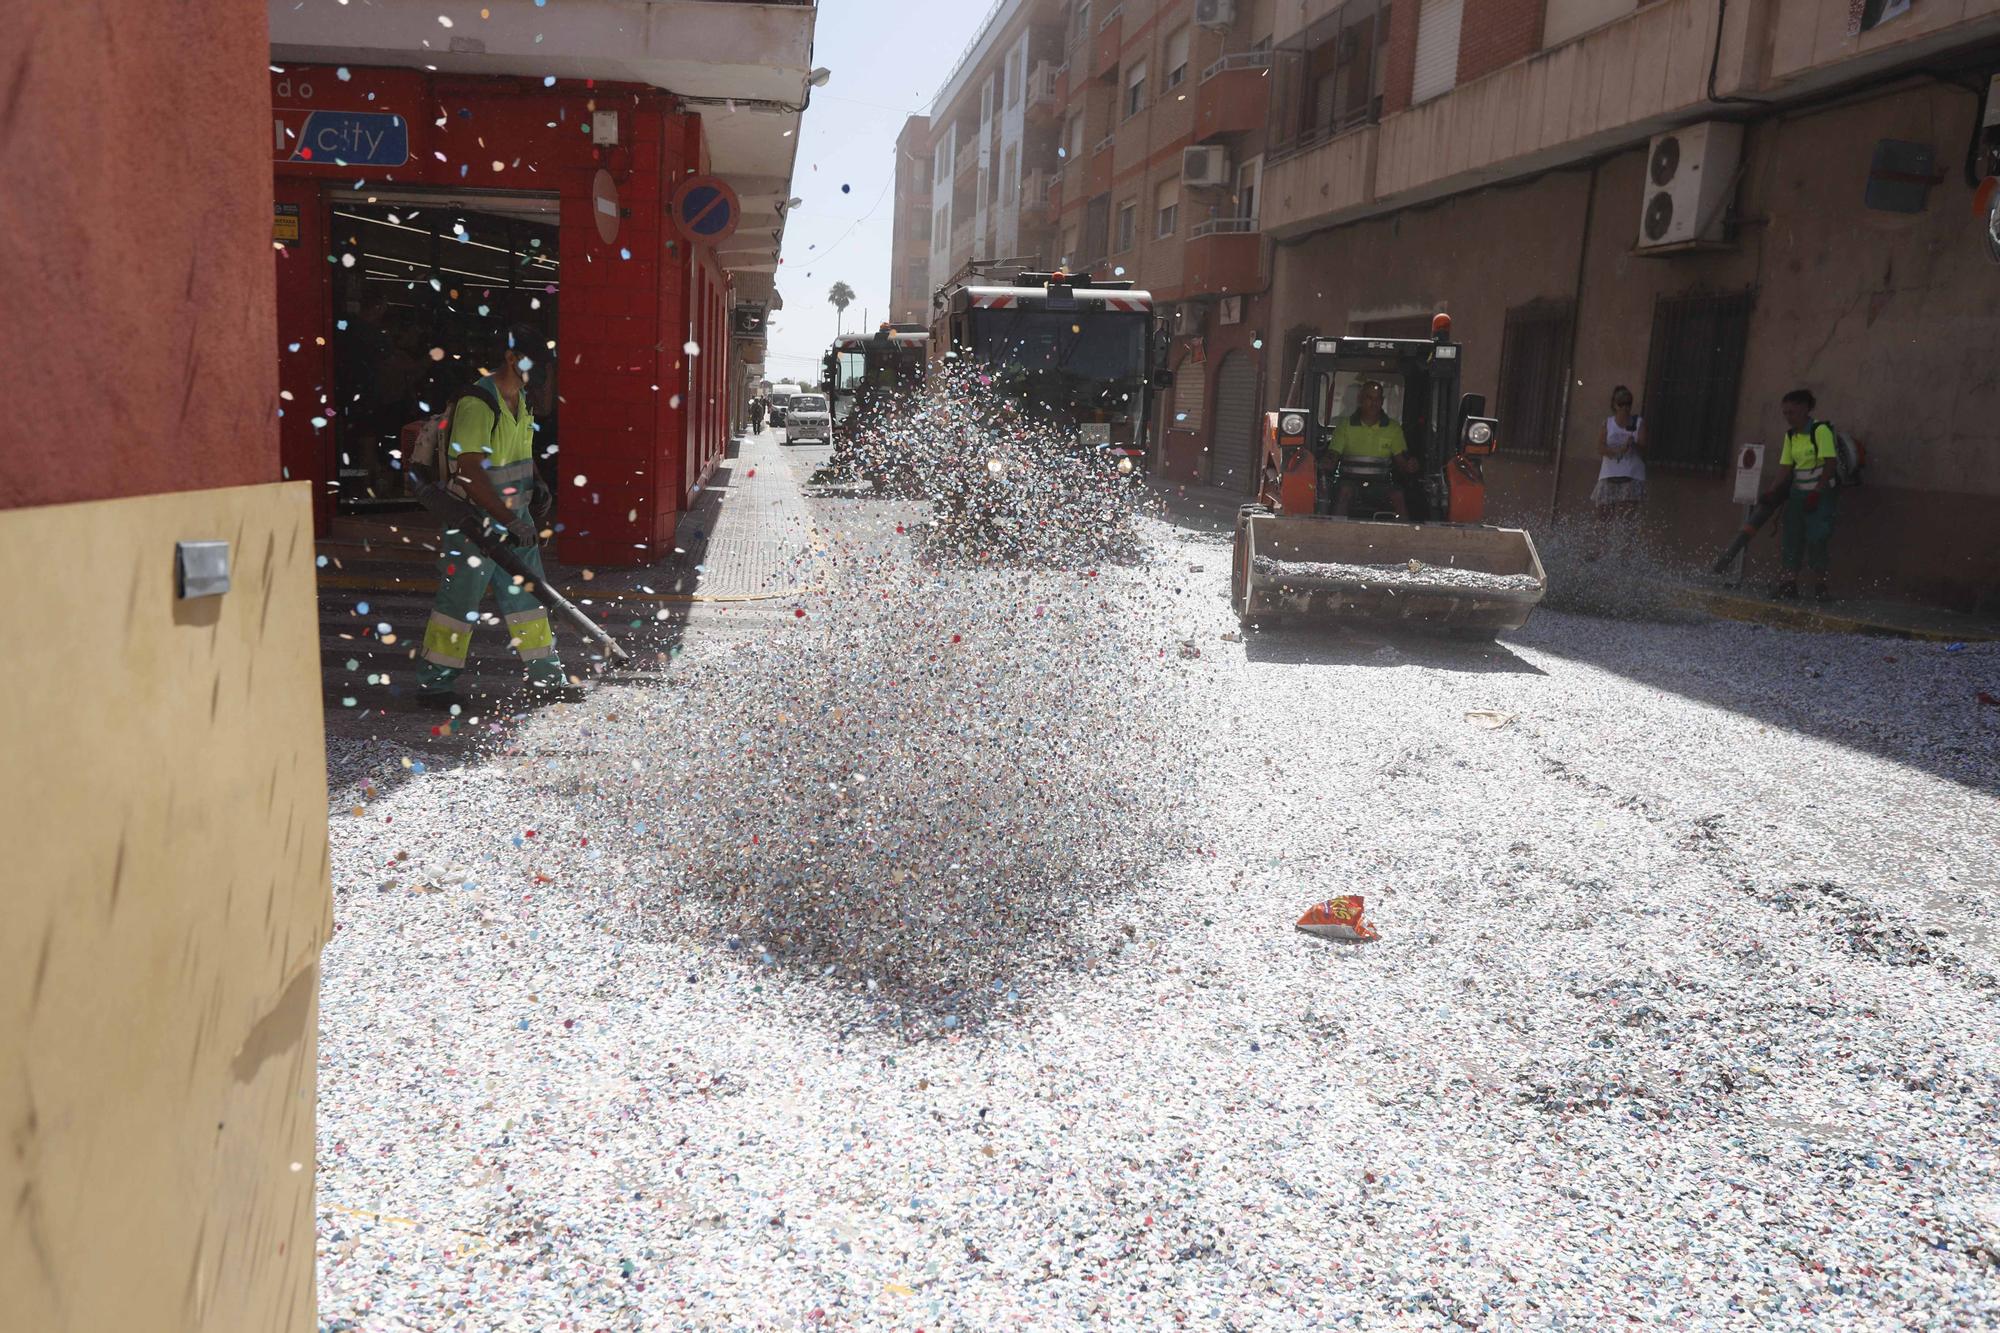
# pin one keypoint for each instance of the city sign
(353, 139)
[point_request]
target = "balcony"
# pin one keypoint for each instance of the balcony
(1562, 105)
(961, 243)
(1044, 95)
(1234, 96)
(1110, 40)
(1223, 256)
(1036, 189)
(1098, 171)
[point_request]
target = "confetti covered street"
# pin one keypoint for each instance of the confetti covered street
(915, 950)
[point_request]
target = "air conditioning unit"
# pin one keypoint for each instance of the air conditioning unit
(1689, 175)
(1205, 165)
(1188, 319)
(1214, 13)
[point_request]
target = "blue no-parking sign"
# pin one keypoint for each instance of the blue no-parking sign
(705, 208)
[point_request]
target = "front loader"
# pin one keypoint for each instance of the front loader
(1424, 560)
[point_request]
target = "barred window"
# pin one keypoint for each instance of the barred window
(1534, 366)
(1693, 375)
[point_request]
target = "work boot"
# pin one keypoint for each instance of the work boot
(1788, 589)
(1822, 593)
(438, 699)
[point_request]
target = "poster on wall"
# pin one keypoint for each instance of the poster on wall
(1868, 15)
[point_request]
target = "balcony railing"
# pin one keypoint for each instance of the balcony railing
(1104, 143)
(1110, 17)
(1316, 135)
(1042, 86)
(1238, 60)
(1223, 227)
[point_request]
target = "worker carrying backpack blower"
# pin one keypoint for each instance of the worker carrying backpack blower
(482, 448)
(1812, 466)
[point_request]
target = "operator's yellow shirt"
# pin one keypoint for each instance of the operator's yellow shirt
(1354, 438)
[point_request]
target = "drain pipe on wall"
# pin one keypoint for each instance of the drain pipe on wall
(1569, 359)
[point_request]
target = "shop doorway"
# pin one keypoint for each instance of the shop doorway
(420, 280)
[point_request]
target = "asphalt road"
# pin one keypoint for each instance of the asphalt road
(913, 948)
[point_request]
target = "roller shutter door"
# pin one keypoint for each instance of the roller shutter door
(1234, 447)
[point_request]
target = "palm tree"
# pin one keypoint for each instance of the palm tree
(839, 296)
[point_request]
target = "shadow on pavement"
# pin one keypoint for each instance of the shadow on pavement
(1915, 704)
(1319, 645)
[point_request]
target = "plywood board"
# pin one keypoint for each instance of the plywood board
(164, 815)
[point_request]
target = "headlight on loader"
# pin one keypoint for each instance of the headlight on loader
(1478, 433)
(1292, 423)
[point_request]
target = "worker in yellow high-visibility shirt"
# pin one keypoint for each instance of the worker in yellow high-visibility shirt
(1806, 472)
(1369, 449)
(492, 453)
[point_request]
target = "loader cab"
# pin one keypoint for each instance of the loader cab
(1420, 382)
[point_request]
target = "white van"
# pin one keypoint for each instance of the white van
(808, 419)
(780, 401)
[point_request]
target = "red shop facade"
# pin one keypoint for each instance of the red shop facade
(417, 212)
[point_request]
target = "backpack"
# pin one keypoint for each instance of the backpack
(1849, 457)
(427, 443)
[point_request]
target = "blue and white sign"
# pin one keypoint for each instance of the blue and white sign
(354, 139)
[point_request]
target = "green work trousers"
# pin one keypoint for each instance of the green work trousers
(1807, 533)
(463, 574)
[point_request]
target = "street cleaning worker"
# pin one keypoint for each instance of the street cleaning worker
(1369, 448)
(1806, 464)
(493, 464)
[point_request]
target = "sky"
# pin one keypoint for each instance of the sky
(888, 59)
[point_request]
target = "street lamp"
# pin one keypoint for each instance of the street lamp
(818, 78)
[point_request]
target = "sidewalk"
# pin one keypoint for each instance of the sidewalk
(1862, 615)
(1213, 509)
(745, 545)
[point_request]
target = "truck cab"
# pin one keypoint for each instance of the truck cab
(1066, 347)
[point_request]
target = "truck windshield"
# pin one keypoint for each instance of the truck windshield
(1105, 346)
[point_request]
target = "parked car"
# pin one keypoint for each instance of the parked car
(809, 419)
(780, 402)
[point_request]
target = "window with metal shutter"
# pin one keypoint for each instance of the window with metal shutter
(1234, 447)
(1437, 49)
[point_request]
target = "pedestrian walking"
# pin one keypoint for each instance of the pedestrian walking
(1807, 463)
(757, 415)
(493, 463)
(1621, 475)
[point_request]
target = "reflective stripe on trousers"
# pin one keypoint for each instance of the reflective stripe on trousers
(461, 588)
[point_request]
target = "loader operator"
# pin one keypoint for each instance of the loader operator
(1368, 449)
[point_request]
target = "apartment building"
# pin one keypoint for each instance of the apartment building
(910, 236)
(1063, 136)
(1711, 204)
(1165, 119)
(992, 143)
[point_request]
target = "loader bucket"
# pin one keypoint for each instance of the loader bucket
(1456, 579)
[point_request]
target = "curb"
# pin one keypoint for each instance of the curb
(575, 592)
(1757, 611)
